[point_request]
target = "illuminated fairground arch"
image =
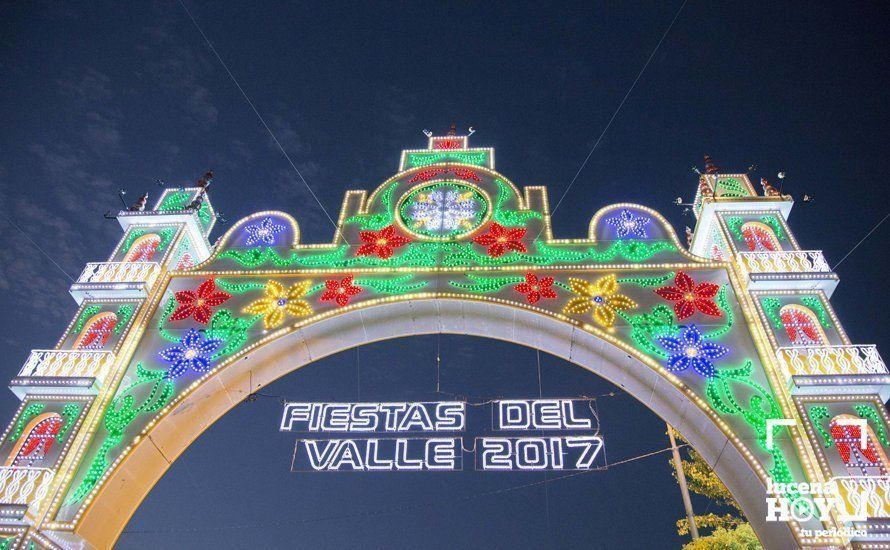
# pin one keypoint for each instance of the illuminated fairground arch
(448, 245)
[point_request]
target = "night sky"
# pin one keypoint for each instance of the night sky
(104, 96)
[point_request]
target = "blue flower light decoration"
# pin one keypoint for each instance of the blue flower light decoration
(691, 349)
(264, 232)
(628, 225)
(193, 352)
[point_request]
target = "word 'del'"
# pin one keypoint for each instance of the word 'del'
(542, 414)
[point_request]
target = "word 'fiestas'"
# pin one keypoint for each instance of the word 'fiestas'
(439, 416)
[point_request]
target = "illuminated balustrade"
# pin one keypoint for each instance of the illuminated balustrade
(820, 369)
(831, 360)
(67, 363)
(62, 371)
(120, 272)
(788, 269)
(115, 280)
(868, 494)
(23, 489)
(786, 261)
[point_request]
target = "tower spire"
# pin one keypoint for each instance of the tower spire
(710, 167)
(768, 190)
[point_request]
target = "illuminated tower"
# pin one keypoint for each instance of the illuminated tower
(838, 388)
(58, 386)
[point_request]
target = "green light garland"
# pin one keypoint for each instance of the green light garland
(70, 412)
(868, 412)
(646, 327)
(425, 158)
(734, 223)
(771, 307)
(177, 200)
(815, 304)
(30, 412)
(204, 214)
(233, 288)
(721, 396)
(553, 254)
(381, 219)
(774, 223)
(87, 312)
(486, 284)
(395, 285)
(120, 414)
(510, 218)
(648, 282)
(817, 414)
(231, 330)
(123, 317)
(634, 251)
(427, 254)
(724, 305)
(162, 319)
(730, 187)
(165, 234)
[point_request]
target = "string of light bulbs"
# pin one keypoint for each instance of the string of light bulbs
(394, 509)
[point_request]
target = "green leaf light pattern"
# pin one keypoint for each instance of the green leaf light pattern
(381, 219)
(510, 218)
(815, 304)
(817, 414)
(153, 390)
(868, 412)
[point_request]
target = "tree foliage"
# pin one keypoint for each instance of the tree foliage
(739, 538)
(729, 531)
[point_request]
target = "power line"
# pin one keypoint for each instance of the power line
(620, 105)
(862, 241)
(259, 116)
(37, 246)
(392, 510)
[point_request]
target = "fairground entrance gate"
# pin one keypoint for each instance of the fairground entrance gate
(733, 342)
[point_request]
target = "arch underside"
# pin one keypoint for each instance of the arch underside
(129, 483)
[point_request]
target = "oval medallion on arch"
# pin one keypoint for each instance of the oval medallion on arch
(443, 210)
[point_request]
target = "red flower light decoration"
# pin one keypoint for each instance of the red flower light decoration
(535, 289)
(690, 296)
(381, 242)
(340, 291)
(426, 175)
(465, 173)
(198, 303)
(499, 240)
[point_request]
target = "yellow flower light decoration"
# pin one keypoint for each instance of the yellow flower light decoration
(279, 301)
(600, 296)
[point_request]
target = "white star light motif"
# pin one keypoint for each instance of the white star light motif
(626, 224)
(263, 232)
(445, 210)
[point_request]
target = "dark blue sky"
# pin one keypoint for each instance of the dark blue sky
(102, 96)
